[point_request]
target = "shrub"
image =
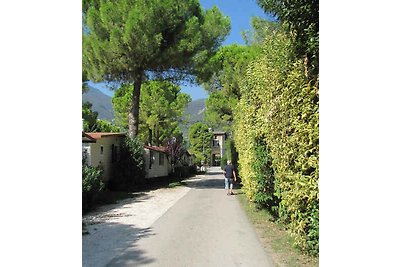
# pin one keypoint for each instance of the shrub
(91, 185)
(182, 172)
(129, 171)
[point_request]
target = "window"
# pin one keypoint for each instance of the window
(161, 159)
(101, 150)
(215, 142)
(114, 153)
(117, 154)
(151, 158)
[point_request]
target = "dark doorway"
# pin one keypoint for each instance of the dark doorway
(216, 160)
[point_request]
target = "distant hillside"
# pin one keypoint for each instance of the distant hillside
(103, 105)
(195, 110)
(100, 103)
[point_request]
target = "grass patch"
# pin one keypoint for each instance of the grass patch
(275, 239)
(175, 184)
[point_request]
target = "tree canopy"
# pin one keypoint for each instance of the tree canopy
(200, 142)
(302, 18)
(175, 150)
(223, 73)
(161, 107)
(130, 41)
(92, 124)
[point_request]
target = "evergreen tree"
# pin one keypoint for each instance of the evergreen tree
(130, 41)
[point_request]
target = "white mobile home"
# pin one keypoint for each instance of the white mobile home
(156, 162)
(104, 152)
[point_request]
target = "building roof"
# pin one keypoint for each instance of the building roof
(156, 148)
(219, 133)
(87, 139)
(98, 136)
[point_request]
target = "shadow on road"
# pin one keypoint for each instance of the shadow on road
(114, 244)
(213, 179)
(206, 183)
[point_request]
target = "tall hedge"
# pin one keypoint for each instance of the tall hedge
(230, 153)
(279, 107)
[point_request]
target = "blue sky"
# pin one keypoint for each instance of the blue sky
(240, 13)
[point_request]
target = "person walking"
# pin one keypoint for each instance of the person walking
(229, 173)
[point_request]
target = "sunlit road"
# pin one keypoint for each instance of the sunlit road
(204, 228)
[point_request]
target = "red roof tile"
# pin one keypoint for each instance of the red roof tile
(87, 139)
(98, 136)
(156, 148)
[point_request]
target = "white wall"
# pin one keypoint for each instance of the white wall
(156, 170)
(104, 159)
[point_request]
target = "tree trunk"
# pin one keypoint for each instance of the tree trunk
(134, 112)
(150, 137)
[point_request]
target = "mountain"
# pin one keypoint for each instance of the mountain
(100, 103)
(103, 105)
(195, 110)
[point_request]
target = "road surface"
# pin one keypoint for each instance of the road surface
(202, 227)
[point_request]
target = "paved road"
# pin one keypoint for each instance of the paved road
(204, 227)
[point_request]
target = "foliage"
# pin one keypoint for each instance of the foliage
(121, 101)
(182, 172)
(85, 87)
(260, 30)
(129, 171)
(265, 178)
(219, 110)
(200, 138)
(272, 234)
(92, 124)
(91, 185)
(161, 106)
(230, 153)
(302, 18)
(89, 117)
(106, 127)
(131, 40)
(222, 75)
(175, 151)
(91, 179)
(226, 67)
(279, 108)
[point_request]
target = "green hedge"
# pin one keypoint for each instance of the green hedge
(279, 108)
(265, 178)
(91, 186)
(230, 153)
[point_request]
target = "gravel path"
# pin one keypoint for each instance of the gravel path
(112, 228)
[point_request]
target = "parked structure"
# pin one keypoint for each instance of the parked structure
(104, 152)
(187, 159)
(156, 162)
(86, 153)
